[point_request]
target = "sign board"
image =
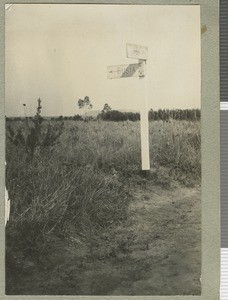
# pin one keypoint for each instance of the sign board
(122, 71)
(136, 51)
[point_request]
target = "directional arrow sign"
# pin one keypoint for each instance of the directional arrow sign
(136, 51)
(122, 71)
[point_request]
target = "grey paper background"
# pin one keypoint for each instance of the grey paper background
(223, 50)
(224, 186)
(224, 120)
(210, 151)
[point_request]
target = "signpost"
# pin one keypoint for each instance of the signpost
(137, 70)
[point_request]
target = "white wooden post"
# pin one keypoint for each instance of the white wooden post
(144, 123)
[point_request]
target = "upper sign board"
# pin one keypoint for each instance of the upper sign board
(136, 51)
(122, 71)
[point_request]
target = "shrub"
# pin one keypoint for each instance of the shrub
(35, 135)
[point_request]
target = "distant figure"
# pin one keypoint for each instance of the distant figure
(7, 206)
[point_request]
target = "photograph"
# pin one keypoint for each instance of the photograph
(103, 149)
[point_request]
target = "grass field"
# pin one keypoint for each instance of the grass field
(79, 204)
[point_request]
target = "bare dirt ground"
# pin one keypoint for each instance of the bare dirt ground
(155, 251)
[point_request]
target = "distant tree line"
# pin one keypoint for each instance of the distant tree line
(59, 118)
(115, 115)
(175, 114)
(74, 118)
(65, 118)
(161, 114)
(108, 114)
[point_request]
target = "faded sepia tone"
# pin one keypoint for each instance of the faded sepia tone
(143, 203)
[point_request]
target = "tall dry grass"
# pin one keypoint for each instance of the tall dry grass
(79, 184)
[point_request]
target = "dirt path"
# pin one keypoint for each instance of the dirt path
(156, 252)
(167, 253)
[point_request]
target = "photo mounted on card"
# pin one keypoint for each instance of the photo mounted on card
(107, 189)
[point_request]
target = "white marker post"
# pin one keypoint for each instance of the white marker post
(137, 70)
(144, 125)
(141, 53)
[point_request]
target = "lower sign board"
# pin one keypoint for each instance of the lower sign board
(122, 71)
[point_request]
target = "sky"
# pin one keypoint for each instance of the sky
(60, 53)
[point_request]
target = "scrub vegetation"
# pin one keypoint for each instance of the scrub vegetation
(76, 192)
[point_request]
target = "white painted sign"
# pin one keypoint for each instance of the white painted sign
(136, 51)
(122, 71)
